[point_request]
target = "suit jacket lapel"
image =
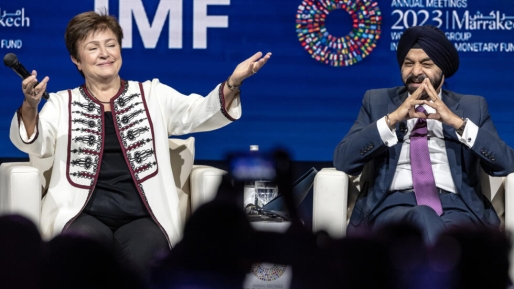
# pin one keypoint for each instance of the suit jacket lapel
(398, 97)
(452, 102)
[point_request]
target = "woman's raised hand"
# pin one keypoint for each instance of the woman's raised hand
(249, 67)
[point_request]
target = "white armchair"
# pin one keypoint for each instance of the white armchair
(22, 184)
(335, 193)
(24, 180)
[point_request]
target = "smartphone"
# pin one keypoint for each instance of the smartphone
(249, 166)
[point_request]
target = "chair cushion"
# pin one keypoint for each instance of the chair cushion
(44, 167)
(182, 156)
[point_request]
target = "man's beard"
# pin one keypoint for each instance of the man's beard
(436, 81)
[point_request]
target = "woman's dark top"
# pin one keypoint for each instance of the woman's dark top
(115, 196)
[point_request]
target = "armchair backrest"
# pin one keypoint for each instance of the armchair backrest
(494, 189)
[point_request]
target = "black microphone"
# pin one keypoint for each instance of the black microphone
(403, 127)
(11, 60)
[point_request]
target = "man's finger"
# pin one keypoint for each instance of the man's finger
(429, 103)
(431, 91)
(418, 102)
(417, 92)
(434, 116)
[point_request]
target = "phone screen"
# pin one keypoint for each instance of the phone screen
(249, 167)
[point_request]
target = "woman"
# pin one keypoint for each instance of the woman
(111, 176)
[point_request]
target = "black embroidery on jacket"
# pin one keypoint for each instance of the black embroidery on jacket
(133, 126)
(85, 139)
(135, 130)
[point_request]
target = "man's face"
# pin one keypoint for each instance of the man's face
(418, 66)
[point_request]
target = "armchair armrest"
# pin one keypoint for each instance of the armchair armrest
(509, 203)
(330, 202)
(205, 181)
(509, 215)
(20, 190)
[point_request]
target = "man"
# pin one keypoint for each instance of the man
(461, 140)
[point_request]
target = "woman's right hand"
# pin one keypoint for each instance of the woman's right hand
(32, 92)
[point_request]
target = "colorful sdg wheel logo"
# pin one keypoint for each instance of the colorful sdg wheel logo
(268, 272)
(332, 50)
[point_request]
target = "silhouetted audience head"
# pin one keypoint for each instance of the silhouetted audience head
(472, 258)
(356, 263)
(20, 253)
(219, 247)
(212, 252)
(408, 254)
(75, 261)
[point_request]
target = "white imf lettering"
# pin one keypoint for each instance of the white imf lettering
(446, 3)
(460, 23)
(202, 21)
(506, 47)
(407, 3)
(14, 19)
(150, 32)
(458, 36)
(396, 35)
(171, 10)
(11, 43)
(477, 46)
(492, 21)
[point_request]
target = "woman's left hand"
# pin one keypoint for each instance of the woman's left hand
(249, 67)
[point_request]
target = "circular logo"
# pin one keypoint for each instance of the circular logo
(268, 272)
(332, 50)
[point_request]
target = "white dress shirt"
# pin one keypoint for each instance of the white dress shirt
(402, 179)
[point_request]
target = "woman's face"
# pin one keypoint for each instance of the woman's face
(99, 56)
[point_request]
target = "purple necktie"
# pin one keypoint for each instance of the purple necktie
(422, 175)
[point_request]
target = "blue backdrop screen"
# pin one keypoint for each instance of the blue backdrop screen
(326, 54)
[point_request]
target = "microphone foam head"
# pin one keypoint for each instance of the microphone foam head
(10, 59)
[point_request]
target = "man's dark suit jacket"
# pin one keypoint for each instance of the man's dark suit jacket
(363, 151)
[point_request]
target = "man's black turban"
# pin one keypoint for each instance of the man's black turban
(435, 44)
